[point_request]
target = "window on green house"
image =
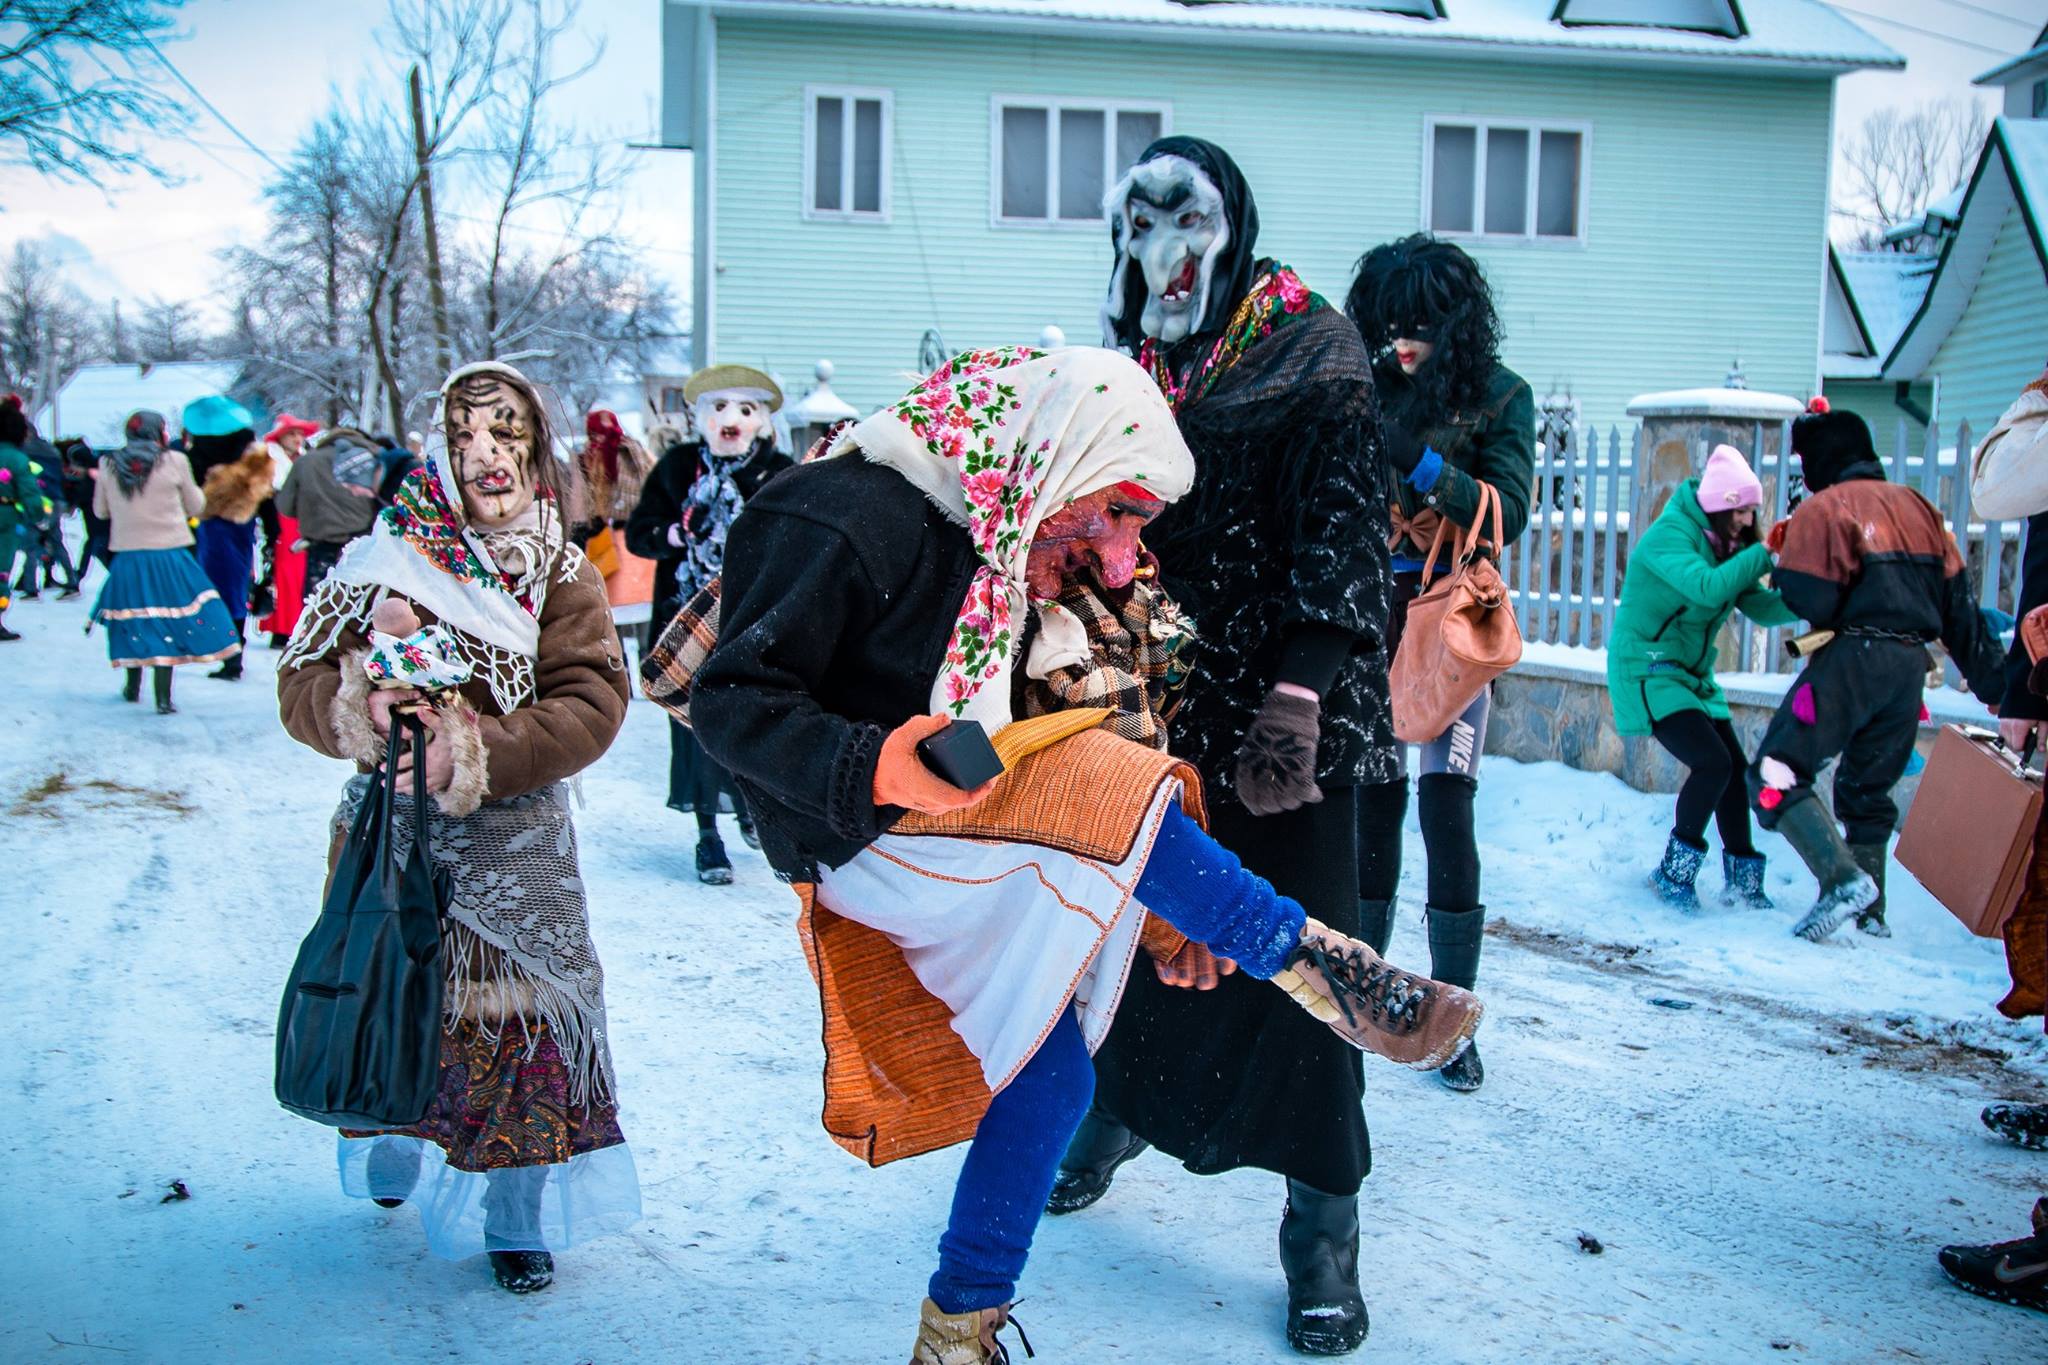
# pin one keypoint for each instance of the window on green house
(2041, 99)
(846, 153)
(1055, 159)
(1505, 180)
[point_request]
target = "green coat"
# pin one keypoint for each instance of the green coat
(1660, 660)
(1496, 443)
(21, 504)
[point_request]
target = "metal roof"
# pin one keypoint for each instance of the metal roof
(95, 402)
(1799, 34)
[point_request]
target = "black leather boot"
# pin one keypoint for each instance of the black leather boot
(1376, 924)
(1099, 1146)
(1319, 1252)
(1455, 937)
(131, 690)
(161, 681)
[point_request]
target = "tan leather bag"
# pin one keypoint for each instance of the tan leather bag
(1969, 833)
(1461, 632)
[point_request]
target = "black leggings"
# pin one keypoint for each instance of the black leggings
(1714, 785)
(1448, 839)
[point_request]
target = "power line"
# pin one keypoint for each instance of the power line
(1924, 32)
(204, 102)
(1991, 13)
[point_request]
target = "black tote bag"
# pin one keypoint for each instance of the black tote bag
(359, 1032)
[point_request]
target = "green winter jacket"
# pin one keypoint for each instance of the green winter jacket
(1660, 660)
(21, 498)
(1496, 443)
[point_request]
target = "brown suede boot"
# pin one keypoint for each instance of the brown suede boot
(1374, 1005)
(962, 1338)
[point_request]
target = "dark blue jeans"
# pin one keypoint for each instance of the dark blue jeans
(1201, 889)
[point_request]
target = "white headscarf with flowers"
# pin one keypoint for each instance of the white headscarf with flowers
(999, 440)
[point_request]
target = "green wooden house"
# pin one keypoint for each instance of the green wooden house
(879, 181)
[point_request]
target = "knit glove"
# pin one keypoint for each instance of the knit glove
(1276, 767)
(1404, 451)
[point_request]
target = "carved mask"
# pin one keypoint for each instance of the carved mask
(1173, 229)
(731, 420)
(491, 430)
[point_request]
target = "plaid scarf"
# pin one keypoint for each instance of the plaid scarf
(1139, 645)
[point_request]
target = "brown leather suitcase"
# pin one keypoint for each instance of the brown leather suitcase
(1970, 830)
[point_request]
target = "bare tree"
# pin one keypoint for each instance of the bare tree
(46, 326)
(74, 89)
(170, 330)
(1900, 161)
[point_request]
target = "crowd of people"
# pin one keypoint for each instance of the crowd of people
(1169, 579)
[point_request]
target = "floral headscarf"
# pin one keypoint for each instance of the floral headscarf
(999, 440)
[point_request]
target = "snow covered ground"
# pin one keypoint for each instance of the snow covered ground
(1769, 1171)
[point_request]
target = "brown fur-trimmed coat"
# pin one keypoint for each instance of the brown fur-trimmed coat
(580, 686)
(235, 491)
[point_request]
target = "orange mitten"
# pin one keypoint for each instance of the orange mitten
(901, 779)
(1774, 539)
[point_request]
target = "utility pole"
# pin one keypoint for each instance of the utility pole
(433, 239)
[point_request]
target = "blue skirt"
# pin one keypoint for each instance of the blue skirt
(227, 555)
(160, 610)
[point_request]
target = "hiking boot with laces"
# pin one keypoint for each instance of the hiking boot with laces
(963, 1338)
(1374, 1005)
(2025, 1124)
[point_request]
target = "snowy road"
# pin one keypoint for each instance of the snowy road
(1769, 1170)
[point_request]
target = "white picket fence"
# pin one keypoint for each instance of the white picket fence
(1584, 509)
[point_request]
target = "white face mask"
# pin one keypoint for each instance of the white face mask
(1173, 230)
(490, 428)
(731, 421)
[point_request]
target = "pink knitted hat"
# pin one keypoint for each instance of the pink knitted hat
(1728, 484)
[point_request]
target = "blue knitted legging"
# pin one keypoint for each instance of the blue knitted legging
(1200, 888)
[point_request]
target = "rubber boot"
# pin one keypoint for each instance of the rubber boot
(1872, 858)
(1742, 881)
(1455, 938)
(1319, 1252)
(1844, 889)
(1376, 924)
(161, 681)
(963, 1338)
(131, 690)
(1674, 877)
(1099, 1146)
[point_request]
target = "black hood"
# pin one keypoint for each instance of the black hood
(1236, 265)
(1829, 445)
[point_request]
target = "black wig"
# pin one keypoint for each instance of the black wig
(1423, 289)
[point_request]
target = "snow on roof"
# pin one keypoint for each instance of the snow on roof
(1797, 33)
(1997, 74)
(95, 402)
(1751, 404)
(2012, 173)
(1886, 288)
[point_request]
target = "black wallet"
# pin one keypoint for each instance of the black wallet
(961, 754)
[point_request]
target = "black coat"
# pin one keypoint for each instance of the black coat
(667, 492)
(842, 585)
(1280, 553)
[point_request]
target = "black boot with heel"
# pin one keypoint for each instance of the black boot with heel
(1099, 1146)
(1319, 1252)
(1455, 938)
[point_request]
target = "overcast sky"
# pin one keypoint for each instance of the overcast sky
(269, 65)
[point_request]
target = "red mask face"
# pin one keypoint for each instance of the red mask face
(1096, 536)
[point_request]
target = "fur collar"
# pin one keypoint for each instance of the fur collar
(235, 491)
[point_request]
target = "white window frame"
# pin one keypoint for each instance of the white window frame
(1535, 129)
(850, 94)
(1053, 105)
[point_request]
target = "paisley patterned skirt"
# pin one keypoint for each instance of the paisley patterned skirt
(502, 1160)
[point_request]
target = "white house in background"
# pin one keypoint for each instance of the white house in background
(95, 401)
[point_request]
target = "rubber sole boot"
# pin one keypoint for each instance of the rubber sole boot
(1374, 1005)
(963, 1338)
(1872, 859)
(713, 867)
(131, 689)
(1674, 877)
(1319, 1253)
(1455, 940)
(162, 683)
(2014, 1272)
(1742, 881)
(2025, 1124)
(522, 1272)
(1376, 924)
(1844, 889)
(1099, 1146)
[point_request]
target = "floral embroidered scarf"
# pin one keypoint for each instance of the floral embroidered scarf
(998, 440)
(1277, 299)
